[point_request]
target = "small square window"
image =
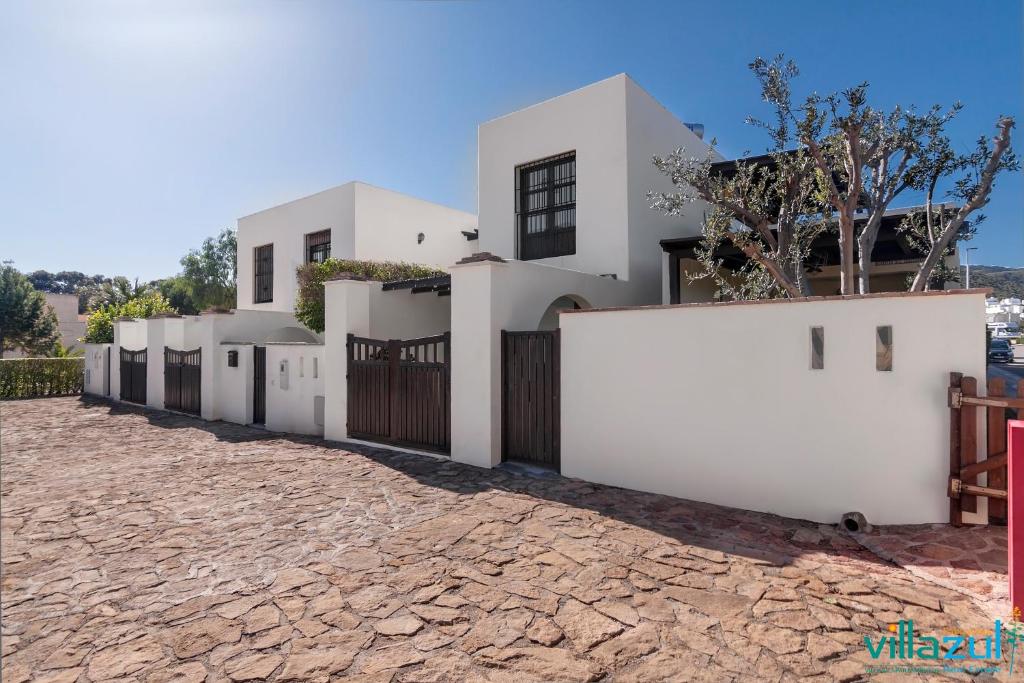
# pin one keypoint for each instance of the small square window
(318, 246)
(817, 348)
(883, 348)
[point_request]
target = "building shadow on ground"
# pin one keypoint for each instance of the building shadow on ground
(761, 537)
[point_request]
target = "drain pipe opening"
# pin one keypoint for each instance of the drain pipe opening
(854, 523)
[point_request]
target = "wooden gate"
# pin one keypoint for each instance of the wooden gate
(183, 380)
(133, 376)
(530, 415)
(967, 411)
(399, 391)
(259, 385)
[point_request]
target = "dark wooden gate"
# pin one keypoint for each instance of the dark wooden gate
(133, 376)
(399, 391)
(965, 418)
(183, 380)
(259, 385)
(530, 420)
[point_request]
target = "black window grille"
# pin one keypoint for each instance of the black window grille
(318, 246)
(546, 207)
(264, 269)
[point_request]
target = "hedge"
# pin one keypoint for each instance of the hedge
(36, 377)
(309, 304)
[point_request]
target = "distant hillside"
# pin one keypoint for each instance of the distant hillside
(1005, 282)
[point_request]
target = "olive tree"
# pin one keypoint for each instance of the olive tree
(834, 167)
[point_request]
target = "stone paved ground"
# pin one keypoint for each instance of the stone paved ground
(145, 546)
(969, 559)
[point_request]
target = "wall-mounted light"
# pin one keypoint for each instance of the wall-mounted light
(420, 237)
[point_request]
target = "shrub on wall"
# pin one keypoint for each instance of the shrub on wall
(36, 377)
(99, 329)
(309, 305)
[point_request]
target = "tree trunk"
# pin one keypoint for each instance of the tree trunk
(980, 198)
(846, 280)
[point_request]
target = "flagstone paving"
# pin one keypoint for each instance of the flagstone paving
(144, 546)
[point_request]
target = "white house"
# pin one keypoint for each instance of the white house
(564, 183)
(351, 221)
(557, 337)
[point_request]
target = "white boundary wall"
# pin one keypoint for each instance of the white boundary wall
(295, 382)
(96, 369)
(488, 297)
(718, 402)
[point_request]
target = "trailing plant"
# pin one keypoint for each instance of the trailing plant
(99, 329)
(309, 304)
(38, 377)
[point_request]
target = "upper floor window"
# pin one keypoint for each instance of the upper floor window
(546, 207)
(318, 246)
(263, 261)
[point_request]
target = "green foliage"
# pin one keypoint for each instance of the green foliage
(26, 320)
(99, 329)
(61, 351)
(36, 377)
(68, 282)
(208, 273)
(309, 307)
(1005, 282)
(117, 291)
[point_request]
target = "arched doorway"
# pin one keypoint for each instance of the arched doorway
(566, 302)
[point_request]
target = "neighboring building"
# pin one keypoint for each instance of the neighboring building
(894, 259)
(1003, 316)
(70, 324)
(351, 221)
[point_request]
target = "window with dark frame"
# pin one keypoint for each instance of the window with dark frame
(318, 246)
(546, 207)
(263, 258)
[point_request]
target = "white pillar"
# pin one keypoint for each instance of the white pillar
(156, 340)
(346, 311)
(476, 363)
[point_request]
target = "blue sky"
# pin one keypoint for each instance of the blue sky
(129, 131)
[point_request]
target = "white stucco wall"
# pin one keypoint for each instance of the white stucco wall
(285, 227)
(718, 403)
(291, 401)
(234, 386)
(614, 127)
(366, 222)
(366, 310)
(96, 378)
(488, 297)
(388, 224)
(591, 121)
(652, 129)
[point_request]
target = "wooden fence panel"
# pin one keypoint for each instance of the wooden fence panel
(967, 410)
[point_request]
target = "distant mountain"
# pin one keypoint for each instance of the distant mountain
(1005, 282)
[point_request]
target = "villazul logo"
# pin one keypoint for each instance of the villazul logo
(967, 651)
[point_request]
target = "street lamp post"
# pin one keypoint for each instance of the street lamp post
(968, 251)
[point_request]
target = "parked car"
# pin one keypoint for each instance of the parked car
(1000, 351)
